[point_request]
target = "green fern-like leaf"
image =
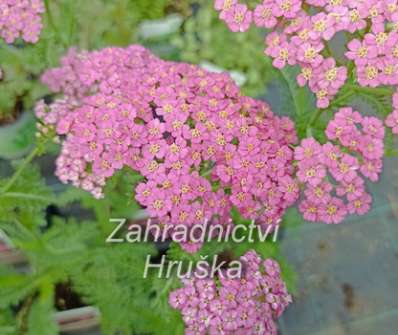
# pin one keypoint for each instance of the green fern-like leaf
(7, 322)
(27, 198)
(113, 278)
(41, 314)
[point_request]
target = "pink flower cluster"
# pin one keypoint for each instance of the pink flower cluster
(334, 187)
(376, 55)
(392, 119)
(300, 31)
(21, 18)
(249, 305)
(201, 146)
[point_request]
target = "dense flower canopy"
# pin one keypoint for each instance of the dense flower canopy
(21, 18)
(201, 146)
(332, 172)
(249, 305)
(301, 30)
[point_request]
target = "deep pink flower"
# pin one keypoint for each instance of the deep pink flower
(263, 15)
(334, 211)
(308, 150)
(360, 205)
(392, 121)
(287, 8)
(238, 18)
(309, 210)
(21, 19)
(334, 186)
(233, 305)
(169, 122)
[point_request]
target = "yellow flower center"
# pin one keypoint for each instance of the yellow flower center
(310, 53)
(286, 5)
(395, 51)
(154, 149)
(185, 188)
(321, 94)
(105, 164)
(311, 172)
(283, 54)
(168, 108)
(177, 165)
(332, 210)
(221, 140)
(362, 52)
(331, 75)
(307, 73)
(266, 13)
(344, 168)
(241, 196)
(373, 11)
(320, 26)
(153, 165)
(354, 16)
(371, 72)
(158, 204)
(238, 18)
(319, 192)
(381, 38)
(174, 148)
(195, 132)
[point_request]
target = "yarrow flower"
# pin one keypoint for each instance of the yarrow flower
(301, 30)
(21, 18)
(201, 146)
(333, 173)
(392, 119)
(238, 18)
(249, 305)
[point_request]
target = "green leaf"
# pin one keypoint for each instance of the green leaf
(17, 138)
(120, 268)
(7, 322)
(41, 319)
(27, 199)
(206, 38)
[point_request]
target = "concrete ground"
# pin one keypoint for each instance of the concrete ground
(347, 274)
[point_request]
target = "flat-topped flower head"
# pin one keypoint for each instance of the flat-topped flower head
(201, 146)
(300, 32)
(238, 18)
(250, 304)
(21, 18)
(333, 173)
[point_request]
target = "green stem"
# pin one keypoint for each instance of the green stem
(291, 92)
(371, 90)
(163, 292)
(26, 196)
(20, 169)
(49, 15)
(342, 97)
(167, 286)
(314, 118)
(328, 50)
(392, 153)
(350, 69)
